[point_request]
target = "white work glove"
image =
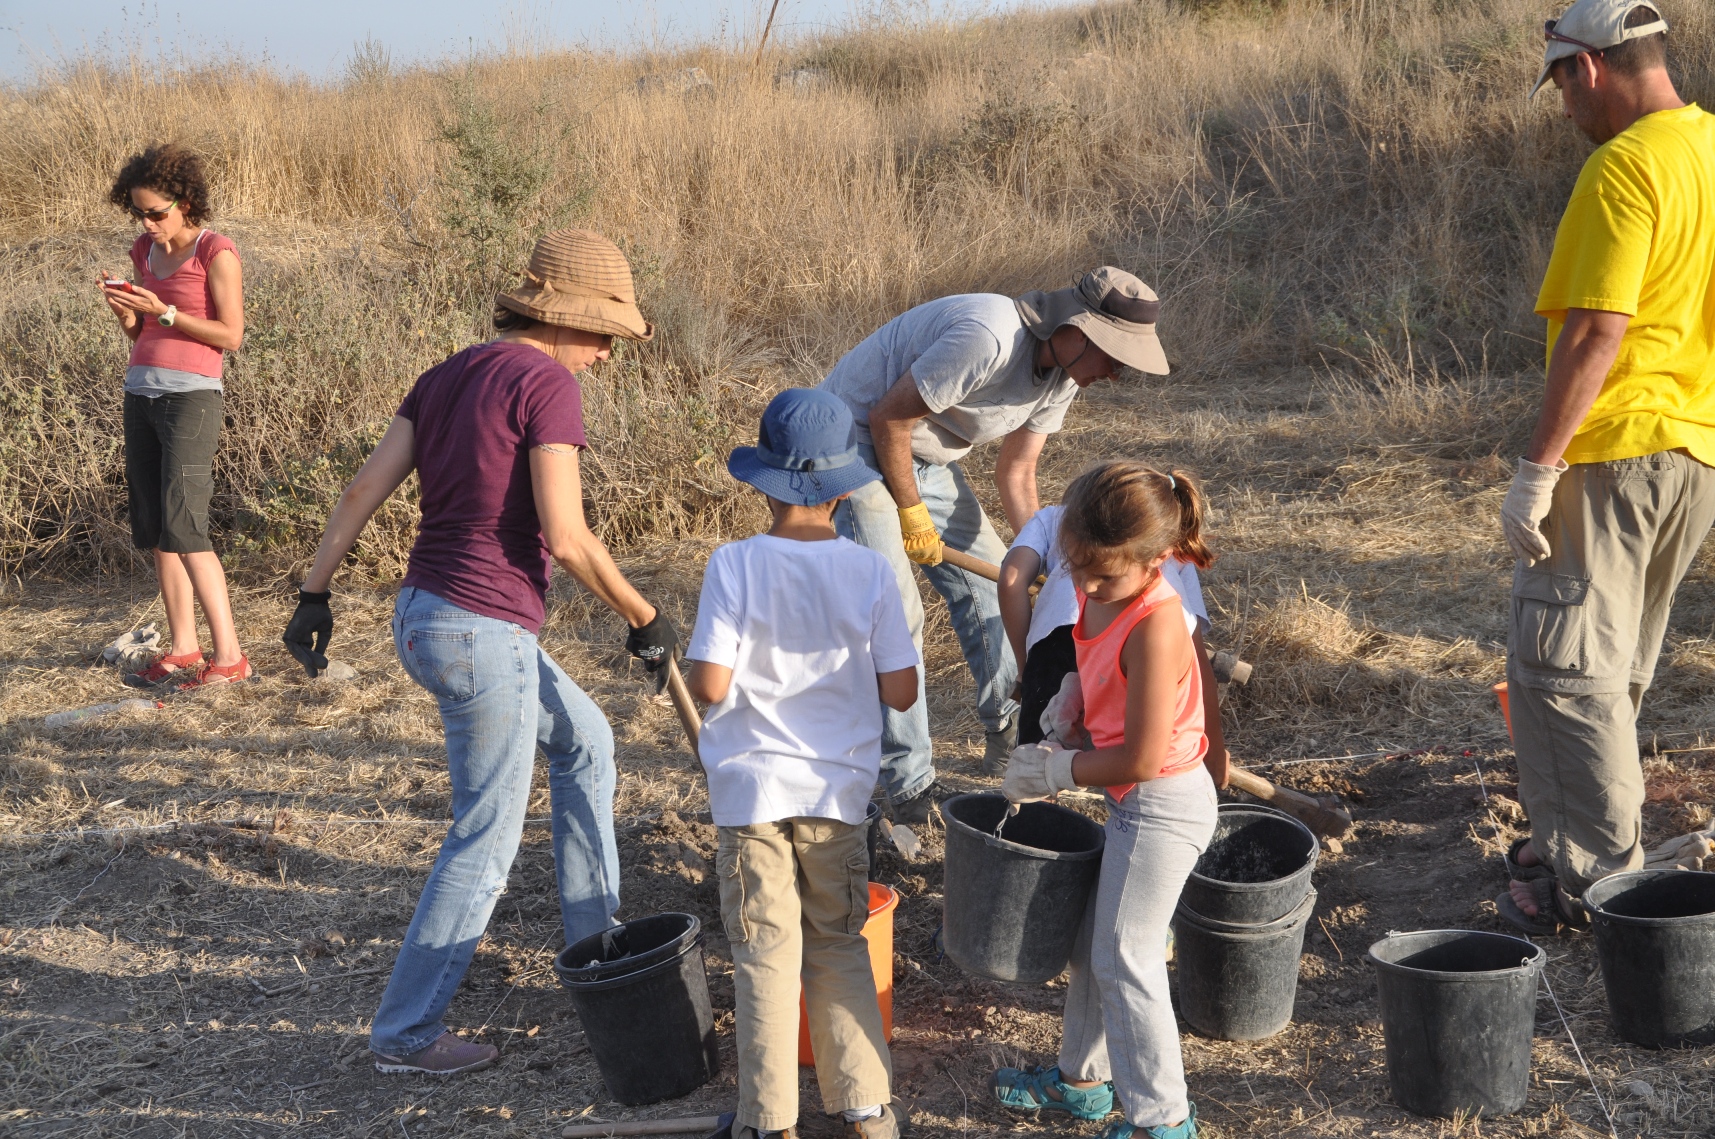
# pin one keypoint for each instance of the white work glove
(1037, 771)
(1063, 718)
(1526, 505)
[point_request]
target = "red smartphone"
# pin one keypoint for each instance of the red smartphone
(116, 283)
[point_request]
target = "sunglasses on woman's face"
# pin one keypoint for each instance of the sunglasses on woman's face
(142, 214)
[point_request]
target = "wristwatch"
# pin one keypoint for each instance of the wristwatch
(166, 319)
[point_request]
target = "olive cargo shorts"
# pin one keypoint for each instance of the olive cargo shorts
(794, 901)
(1582, 641)
(170, 441)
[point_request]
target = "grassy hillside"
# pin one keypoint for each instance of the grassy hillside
(1307, 184)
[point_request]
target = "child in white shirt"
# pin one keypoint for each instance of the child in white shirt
(800, 639)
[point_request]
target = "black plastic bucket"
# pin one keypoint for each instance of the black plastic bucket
(1458, 1007)
(1239, 982)
(1256, 869)
(1655, 937)
(1011, 907)
(643, 997)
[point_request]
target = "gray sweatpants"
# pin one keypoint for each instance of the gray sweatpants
(1119, 1016)
(1585, 630)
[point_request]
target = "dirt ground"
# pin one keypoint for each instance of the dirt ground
(198, 903)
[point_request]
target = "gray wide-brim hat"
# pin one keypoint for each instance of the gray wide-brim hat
(1111, 307)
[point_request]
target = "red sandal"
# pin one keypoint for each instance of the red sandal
(165, 666)
(210, 674)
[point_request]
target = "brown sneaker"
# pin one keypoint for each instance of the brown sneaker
(887, 1125)
(447, 1056)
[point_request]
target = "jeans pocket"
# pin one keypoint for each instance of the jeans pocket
(732, 890)
(1548, 620)
(857, 880)
(443, 663)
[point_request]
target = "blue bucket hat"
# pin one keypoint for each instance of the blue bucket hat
(806, 453)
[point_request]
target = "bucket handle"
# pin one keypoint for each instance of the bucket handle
(602, 983)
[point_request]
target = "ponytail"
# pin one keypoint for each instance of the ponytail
(1190, 545)
(1126, 510)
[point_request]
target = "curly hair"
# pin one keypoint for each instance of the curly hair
(171, 171)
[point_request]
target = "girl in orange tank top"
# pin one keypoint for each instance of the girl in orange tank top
(1154, 741)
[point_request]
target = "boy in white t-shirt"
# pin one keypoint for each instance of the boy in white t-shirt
(800, 639)
(1042, 636)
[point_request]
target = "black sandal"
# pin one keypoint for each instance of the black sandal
(1555, 911)
(1518, 871)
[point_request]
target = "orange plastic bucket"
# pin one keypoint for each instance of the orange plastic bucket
(878, 932)
(1500, 691)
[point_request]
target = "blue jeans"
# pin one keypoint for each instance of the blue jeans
(871, 518)
(501, 697)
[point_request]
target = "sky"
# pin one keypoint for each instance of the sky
(317, 37)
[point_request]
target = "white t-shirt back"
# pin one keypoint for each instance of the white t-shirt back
(1057, 603)
(975, 366)
(805, 627)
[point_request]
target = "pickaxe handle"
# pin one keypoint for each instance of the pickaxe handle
(1228, 667)
(682, 704)
(1325, 817)
(684, 1125)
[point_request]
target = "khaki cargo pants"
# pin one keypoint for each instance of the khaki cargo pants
(1582, 642)
(794, 900)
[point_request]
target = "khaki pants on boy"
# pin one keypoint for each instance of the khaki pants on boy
(1585, 630)
(794, 900)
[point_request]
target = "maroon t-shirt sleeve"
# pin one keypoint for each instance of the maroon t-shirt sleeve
(139, 254)
(552, 407)
(409, 405)
(213, 244)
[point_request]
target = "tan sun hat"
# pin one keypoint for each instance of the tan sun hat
(1593, 25)
(579, 279)
(1111, 307)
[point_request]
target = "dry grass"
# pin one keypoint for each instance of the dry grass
(1346, 207)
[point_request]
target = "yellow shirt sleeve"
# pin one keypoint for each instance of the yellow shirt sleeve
(1602, 247)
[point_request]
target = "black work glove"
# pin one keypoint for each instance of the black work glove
(310, 630)
(654, 644)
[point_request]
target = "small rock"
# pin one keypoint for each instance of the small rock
(335, 940)
(685, 81)
(804, 79)
(1333, 845)
(1639, 1089)
(338, 670)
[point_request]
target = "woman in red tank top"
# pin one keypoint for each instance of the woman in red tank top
(1154, 743)
(181, 307)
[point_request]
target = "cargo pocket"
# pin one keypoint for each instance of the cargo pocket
(197, 481)
(732, 890)
(857, 878)
(1548, 620)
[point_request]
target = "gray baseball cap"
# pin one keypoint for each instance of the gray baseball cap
(1593, 25)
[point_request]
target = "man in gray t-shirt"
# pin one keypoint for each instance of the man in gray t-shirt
(924, 389)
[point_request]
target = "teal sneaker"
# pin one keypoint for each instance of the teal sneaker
(1026, 1089)
(1120, 1129)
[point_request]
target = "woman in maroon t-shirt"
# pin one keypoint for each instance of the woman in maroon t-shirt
(181, 307)
(494, 435)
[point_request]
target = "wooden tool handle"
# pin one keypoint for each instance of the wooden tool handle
(969, 564)
(693, 725)
(1330, 821)
(683, 1126)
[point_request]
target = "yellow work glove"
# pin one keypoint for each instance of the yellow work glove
(922, 542)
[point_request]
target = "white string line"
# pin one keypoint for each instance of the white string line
(1579, 1052)
(242, 824)
(1564, 1023)
(1376, 754)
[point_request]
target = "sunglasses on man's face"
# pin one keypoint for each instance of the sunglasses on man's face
(142, 214)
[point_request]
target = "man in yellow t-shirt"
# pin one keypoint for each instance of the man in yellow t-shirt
(1617, 489)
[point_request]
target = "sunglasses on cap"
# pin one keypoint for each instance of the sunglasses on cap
(1551, 36)
(142, 214)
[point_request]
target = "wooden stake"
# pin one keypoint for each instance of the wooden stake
(763, 42)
